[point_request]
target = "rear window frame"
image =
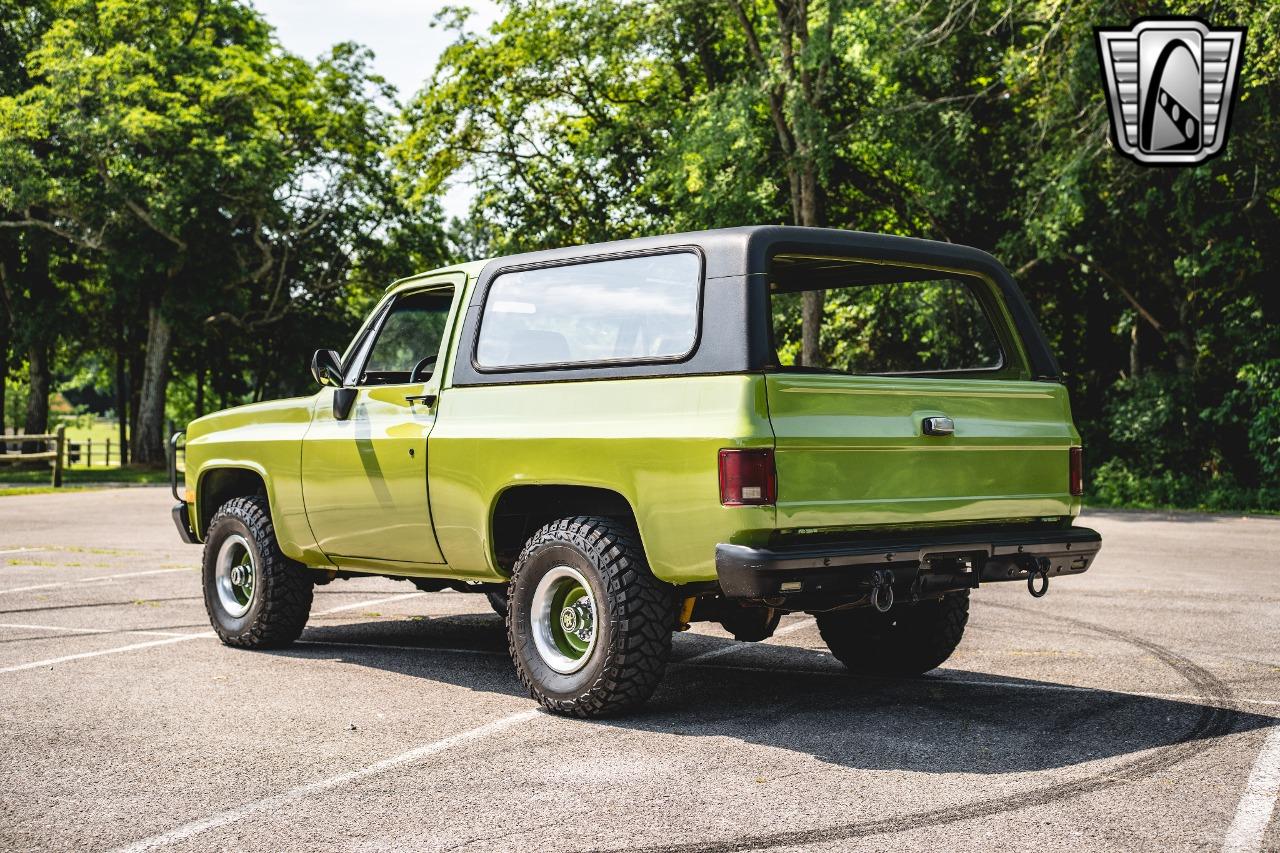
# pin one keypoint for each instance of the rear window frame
(597, 363)
(1014, 362)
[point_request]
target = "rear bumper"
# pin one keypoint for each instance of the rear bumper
(938, 561)
(182, 518)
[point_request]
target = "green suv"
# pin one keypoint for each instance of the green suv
(614, 441)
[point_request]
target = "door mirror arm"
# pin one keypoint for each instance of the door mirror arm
(343, 398)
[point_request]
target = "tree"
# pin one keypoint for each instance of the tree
(226, 180)
(26, 288)
(797, 77)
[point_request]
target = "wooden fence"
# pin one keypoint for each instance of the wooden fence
(55, 448)
(63, 455)
(86, 453)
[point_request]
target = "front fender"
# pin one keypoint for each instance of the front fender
(265, 441)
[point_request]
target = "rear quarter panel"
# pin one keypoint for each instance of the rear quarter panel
(654, 441)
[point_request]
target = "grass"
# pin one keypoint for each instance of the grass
(99, 432)
(79, 476)
(6, 492)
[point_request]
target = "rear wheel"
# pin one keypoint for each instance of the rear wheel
(588, 626)
(908, 640)
(256, 597)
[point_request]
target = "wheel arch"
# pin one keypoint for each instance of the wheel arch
(219, 483)
(520, 509)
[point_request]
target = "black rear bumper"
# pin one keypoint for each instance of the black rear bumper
(937, 561)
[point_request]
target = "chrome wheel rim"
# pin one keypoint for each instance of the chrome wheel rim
(563, 615)
(235, 576)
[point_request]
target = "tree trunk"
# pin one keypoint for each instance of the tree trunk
(37, 420)
(122, 393)
(811, 214)
(134, 385)
(8, 261)
(41, 330)
(148, 440)
(4, 368)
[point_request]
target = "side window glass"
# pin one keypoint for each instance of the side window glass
(408, 340)
(627, 309)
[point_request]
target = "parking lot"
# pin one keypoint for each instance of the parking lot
(1135, 707)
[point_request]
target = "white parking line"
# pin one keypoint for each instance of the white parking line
(112, 651)
(22, 550)
(94, 578)
(177, 638)
(26, 627)
(401, 597)
(1253, 814)
(285, 798)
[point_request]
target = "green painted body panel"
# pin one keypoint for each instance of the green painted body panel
(851, 450)
(850, 454)
(654, 441)
(365, 477)
(265, 438)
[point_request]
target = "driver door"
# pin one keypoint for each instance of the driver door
(365, 475)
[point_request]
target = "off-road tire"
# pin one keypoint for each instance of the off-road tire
(281, 600)
(908, 640)
(635, 615)
(749, 624)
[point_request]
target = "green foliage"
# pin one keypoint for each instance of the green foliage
(228, 206)
(1255, 403)
(898, 327)
(172, 160)
(978, 123)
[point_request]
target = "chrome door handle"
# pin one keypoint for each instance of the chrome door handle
(939, 426)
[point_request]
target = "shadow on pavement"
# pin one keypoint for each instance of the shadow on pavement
(795, 699)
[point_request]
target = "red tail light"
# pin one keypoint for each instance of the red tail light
(1077, 471)
(747, 478)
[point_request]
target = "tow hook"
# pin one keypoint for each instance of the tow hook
(1041, 571)
(882, 590)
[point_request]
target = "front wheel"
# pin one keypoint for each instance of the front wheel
(256, 597)
(588, 626)
(910, 639)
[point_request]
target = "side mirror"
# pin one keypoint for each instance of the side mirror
(326, 367)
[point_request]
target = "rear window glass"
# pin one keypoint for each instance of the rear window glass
(628, 309)
(879, 318)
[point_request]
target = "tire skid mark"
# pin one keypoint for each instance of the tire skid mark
(1213, 722)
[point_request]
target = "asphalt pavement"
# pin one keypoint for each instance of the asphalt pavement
(1136, 707)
